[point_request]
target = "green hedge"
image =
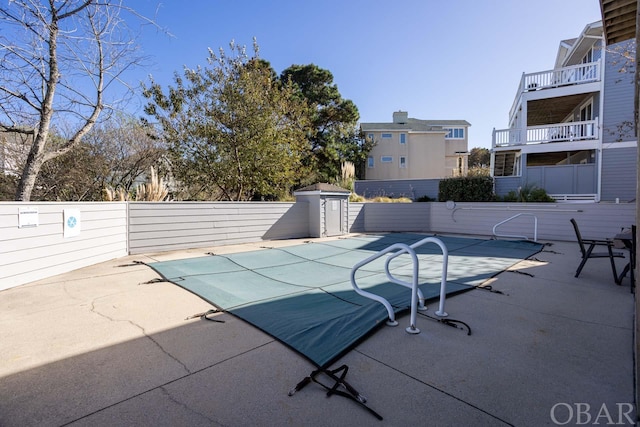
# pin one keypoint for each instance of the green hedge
(467, 189)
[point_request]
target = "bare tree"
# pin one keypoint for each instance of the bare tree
(116, 154)
(58, 59)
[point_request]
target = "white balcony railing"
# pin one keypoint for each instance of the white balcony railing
(571, 75)
(559, 132)
(574, 74)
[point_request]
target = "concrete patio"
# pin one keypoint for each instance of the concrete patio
(101, 346)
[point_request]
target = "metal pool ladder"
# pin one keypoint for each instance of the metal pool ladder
(535, 227)
(417, 298)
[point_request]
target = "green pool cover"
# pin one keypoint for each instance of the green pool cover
(302, 295)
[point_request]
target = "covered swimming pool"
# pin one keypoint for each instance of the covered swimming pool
(302, 295)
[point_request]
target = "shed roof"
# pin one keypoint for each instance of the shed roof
(324, 187)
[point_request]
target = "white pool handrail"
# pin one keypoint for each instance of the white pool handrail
(403, 249)
(417, 298)
(443, 276)
(535, 227)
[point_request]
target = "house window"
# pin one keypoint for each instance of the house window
(403, 162)
(370, 137)
(370, 162)
(387, 135)
(590, 71)
(454, 133)
(403, 138)
(386, 159)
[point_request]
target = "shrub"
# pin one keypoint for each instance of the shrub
(155, 190)
(479, 171)
(528, 194)
(347, 176)
(425, 199)
(511, 196)
(8, 185)
(539, 195)
(353, 197)
(390, 200)
(466, 189)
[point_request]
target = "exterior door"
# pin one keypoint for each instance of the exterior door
(333, 217)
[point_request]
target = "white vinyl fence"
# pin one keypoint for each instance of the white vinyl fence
(158, 226)
(37, 240)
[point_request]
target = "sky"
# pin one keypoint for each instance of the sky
(450, 60)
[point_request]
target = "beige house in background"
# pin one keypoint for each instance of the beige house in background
(14, 149)
(410, 148)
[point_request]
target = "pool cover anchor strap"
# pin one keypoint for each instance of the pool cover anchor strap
(351, 393)
(458, 324)
(205, 315)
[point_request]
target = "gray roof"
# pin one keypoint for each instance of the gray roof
(322, 186)
(415, 125)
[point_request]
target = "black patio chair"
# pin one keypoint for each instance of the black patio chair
(588, 253)
(630, 244)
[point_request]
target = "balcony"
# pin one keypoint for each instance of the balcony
(562, 77)
(559, 132)
(574, 74)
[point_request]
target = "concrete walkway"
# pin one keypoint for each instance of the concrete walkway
(102, 347)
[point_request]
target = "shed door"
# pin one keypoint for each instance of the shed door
(333, 217)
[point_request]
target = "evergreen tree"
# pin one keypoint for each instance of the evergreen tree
(233, 130)
(335, 137)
